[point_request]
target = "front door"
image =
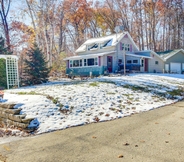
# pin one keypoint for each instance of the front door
(146, 65)
(109, 64)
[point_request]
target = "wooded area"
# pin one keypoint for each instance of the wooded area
(61, 26)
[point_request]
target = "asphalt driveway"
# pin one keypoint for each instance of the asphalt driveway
(153, 136)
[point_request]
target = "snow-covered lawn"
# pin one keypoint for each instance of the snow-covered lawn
(67, 103)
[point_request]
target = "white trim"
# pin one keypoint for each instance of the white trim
(173, 54)
(152, 52)
(83, 63)
(100, 40)
(134, 55)
(132, 40)
(89, 56)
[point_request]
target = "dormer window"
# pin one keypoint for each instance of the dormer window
(108, 43)
(95, 46)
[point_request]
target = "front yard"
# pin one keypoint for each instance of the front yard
(66, 103)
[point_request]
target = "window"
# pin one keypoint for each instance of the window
(119, 61)
(126, 46)
(135, 61)
(90, 61)
(156, 62)
(123, 45)
(108, 43)
(95, 46)
(96, 61)
(129, 61)
(71, 63)
(75, 63)
(85, 62)
(80, 62)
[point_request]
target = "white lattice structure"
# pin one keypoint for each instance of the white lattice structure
(11, 70)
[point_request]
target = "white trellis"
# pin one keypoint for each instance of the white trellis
(11, 70)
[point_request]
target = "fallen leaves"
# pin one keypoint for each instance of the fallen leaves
(6, 148)
(2, 158)
(96, 119)
(94, 137)
(120, 156)
(126, 144)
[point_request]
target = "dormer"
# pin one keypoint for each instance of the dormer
(106, 44)
(92, 47)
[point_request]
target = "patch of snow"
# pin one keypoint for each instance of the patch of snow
(80, 102)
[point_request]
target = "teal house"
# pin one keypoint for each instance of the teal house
(98, 56)
(110, 54)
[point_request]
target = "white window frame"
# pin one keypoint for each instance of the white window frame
(84, 62)
(135, 63)
(126, 46)
(130, 61)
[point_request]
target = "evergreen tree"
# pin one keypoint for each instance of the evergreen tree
(3, 50)
(35, 70)
(3, 81)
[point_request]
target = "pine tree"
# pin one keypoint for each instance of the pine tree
(3, 50)
(35, 70)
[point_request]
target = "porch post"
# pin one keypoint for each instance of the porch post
(124, 59)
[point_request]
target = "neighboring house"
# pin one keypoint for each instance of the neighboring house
(173, 60)
(107, 54)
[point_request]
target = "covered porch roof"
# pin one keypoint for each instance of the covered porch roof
(136, 55)
(89, 55)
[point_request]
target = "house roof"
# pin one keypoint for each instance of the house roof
(137, 55)
(168, 54)
(88, 56)
(115, 39)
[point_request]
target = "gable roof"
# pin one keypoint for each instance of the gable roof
(114, 37)
(168, 54)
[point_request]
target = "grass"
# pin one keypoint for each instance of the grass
(94, 84)
(137, 88)
(111, 93)
(28, 93)
(176, 92)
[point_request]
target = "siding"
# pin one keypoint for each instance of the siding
(152, 67)
(177, 58)
(85, 71)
